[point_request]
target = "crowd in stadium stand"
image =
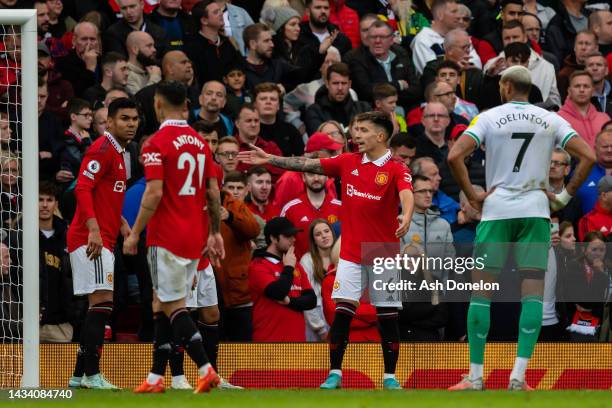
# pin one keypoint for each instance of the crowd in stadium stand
(288, 76)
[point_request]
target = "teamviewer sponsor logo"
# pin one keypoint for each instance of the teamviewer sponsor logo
(152, 158)
(352, 191)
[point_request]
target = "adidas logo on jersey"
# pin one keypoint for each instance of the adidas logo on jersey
(120, 166)
(304, 219)
(355, 172)
(592, 184)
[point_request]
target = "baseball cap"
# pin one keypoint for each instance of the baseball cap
(321, 141)
(42, 47)
(280, 226)
(604, 185)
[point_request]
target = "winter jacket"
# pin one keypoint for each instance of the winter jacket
(560, 34)
(586, 126)
(598, 219)
(72, 152)
(188, 28)
(432, 232)
(139, 78)
(116, 35)
(239, 19)
(345, 18)
(308, 39)
(74, 71)
(237, 232)
(367, 71)
(316, 326)
(429, 45)
(211, 62)
(324, 109)
(469, 86)
(279, 70)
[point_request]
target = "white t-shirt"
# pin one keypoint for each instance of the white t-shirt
(322, 36)
(519, 140)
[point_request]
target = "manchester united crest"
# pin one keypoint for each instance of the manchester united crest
(336, 285)
(382, 178)
(332, 219)
(109, 277)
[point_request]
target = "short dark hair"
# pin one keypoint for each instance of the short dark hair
(266, 87)
(112, 58)
(235, 177)
(48, 188)
(504, 3)
(204, 127)
(517, 50)
(402, 139)
(173, 92)
(252, 32)
(309, 2)
(419, 177)
(450, 65)
(513, 24)
(199, 10)
(339, 68)
(383, 90)
(257, 170)
(379, 119)
(120, 103)
(437, 4)
(246, 106)
(76, 105)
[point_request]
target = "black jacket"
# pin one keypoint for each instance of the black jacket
(324, 109)
(307, 38)
(608, 108)
(473, 80)
(74, 71)
(72, 152)
(209, 61)
(426, 148)
(286, 137)
(281, 71)
(366, 72)
(55, 276)
(188, 28)
(115, 36)
(560, 34)
(49, 140)
(482, 21)
(491, 97)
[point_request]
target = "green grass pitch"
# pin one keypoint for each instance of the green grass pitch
(321, 399)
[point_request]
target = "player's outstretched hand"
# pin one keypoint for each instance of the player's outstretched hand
(130, 244)
(289, 258)
(255, 157)
(404, 225)
(94, 245)
(215, 249)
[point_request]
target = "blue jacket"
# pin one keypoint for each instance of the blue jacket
(229, 125)
(447, 206)
(131, 203)
(588, 190)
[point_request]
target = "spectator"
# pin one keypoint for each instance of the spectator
(452, 74)
(60, 23)
(316, 262)
(403, 147)
(259, 186)
(227, 154)
(142, 64)
(177, 24)
(262, 67)
(365, 22)
(10, 303)
(42, 19)
(79, 67)
(114, 93)
(343, 16)
(285, 21)
(483, 20)
(236, 19)
(10, 196)
(333, 101)
(426, 167)
(317, 29)
(427, 227)
(533, 27)
(429, 42)
(600, 217)
(56, 308)
(544, 13)
(238, 228)
(600, 22)
(467, 221)
(212, 101)
(7, 142)
(385, 100)
(597, 66)
(377, 63)
(560, 166)
(49, 137)
(578, 109)
(457, 46)
(76, 139)
(314, 203)
(587, 193)
(511, 10)
(267, 102)
(279, 288)
(134, 19)
(432, 142)
(60, 90)
(99, 122)
(211, 53)
(175, 67)
(584, 45)
(562, 28)
(114, 75)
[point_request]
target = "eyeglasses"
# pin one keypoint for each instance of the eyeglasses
(435, 116)
(556, 163)
(425, 191)
(229, 155)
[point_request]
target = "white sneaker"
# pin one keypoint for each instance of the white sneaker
(181, 383)
(225, 385)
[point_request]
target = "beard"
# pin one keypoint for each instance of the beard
(146, 61)
(316, 189)
(318, 23)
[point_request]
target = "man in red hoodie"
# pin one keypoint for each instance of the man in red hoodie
(578, 109)
(600, 217)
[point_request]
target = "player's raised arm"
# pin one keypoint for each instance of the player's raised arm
(580, 150)
(258, 157)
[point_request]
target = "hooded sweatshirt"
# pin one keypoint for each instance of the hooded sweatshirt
(598, 219)
(586, 126)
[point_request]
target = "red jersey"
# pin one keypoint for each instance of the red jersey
(99, 193)
(301, 213)
(181, 158)
(291, 185)
(271, 320)
(270, 211)
(370, 199)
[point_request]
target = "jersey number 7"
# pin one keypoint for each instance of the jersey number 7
(188, 159)
(519, 158)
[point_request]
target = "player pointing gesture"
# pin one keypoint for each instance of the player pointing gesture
(519, 139)
(373, 186)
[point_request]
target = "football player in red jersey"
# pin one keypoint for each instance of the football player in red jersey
(181, 183)
(372, 185)
(99, 192)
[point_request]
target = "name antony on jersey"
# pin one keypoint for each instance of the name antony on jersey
(188, 139)
(513, 117)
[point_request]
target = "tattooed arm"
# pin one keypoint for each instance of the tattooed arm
(258, 157)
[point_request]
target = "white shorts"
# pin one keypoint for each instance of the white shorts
(89, 275)
(352, 283)
(170, 274)
(204, 293)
